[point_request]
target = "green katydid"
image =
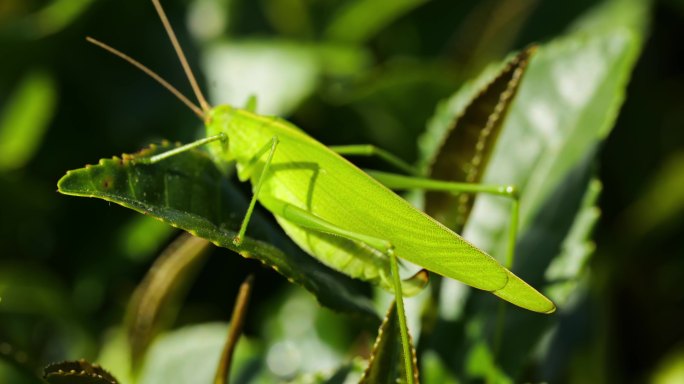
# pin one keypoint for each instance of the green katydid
(339, 214)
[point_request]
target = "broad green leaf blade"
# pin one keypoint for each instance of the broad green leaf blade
(386, 363)
(360, 20)
(558, 235)
(481, 365)
(141, 237)
(188, 192)
(156, 300)
(33, 298)
(661, 203)
(15, 366)
(191, 355)
(50, 19)
(568, 102)
(434, 370)
(461, 136)
(25, 118)
(77, 372)
(281, 73)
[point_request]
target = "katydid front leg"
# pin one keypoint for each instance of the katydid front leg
(237, 240)
(183, 148)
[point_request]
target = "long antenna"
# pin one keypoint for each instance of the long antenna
(181, 56)
(150, 73)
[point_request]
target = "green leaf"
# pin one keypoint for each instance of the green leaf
(281, 73)
(661, 203)
(50, 19)
(142, 236)
(461, 136)
(434, 371)
(29, 296)
(188, 192)
(77, 372)
(386, 363)
(25, 119)
(360, 20)
(191, 355)
(555, 249)
(567, 103)
(15, 366)
(481, 364)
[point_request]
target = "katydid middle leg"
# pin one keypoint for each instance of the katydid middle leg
(372, 150)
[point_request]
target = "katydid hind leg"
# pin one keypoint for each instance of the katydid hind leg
(310, 221)
(403, 327)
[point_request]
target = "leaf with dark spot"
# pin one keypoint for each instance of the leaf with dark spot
(190, 193)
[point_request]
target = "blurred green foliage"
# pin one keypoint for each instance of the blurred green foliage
(347, 72)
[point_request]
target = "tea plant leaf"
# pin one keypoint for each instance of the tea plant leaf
(191, 355)
(141, 237)
(461, 136)
(16, 367)
(556, 248)
(48, 20)
(156, 299)
(661, 203)
(188, 192)
(568, 102)
(30, 295)
(77, 372)
(434, 369)
(359, 20)
(25, 118)
(386, 363)
(481, 364)
(281, 73)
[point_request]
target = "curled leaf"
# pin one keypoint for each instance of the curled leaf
(157, 295)
(461, 137)
(386, 363)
